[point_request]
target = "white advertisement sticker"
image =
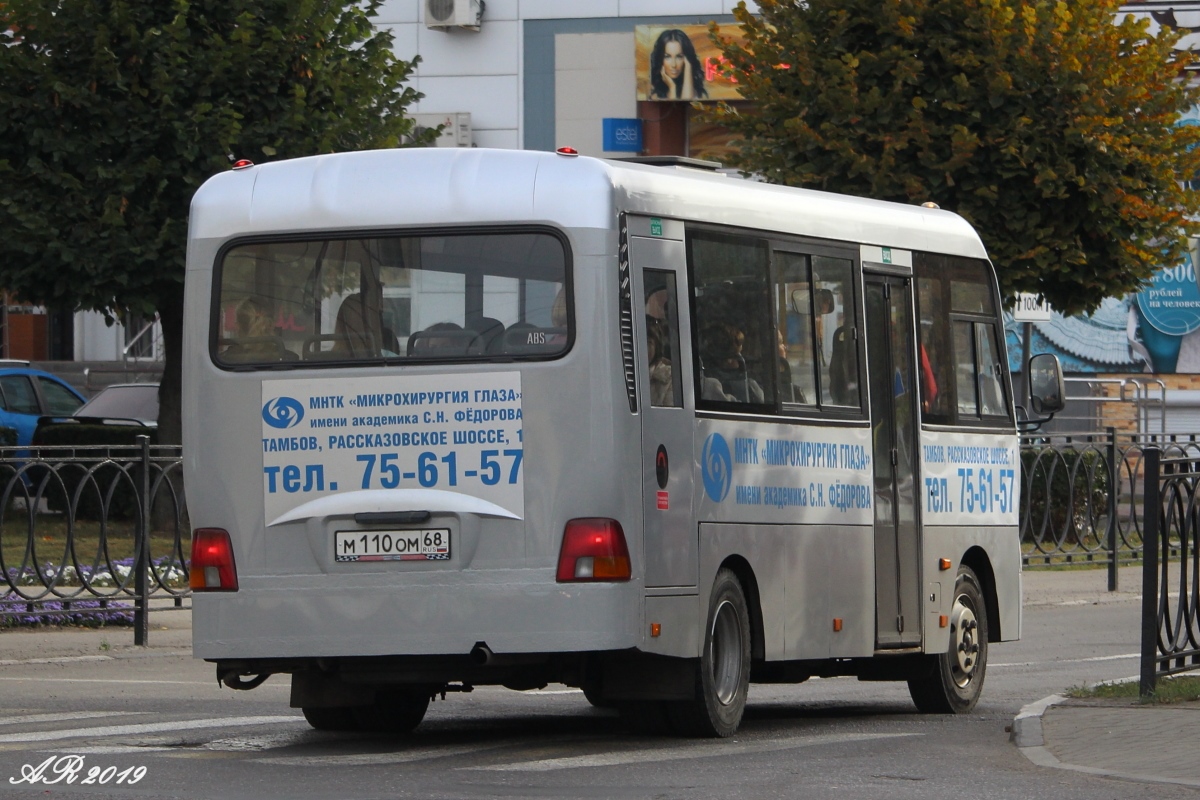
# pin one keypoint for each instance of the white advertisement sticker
(455, 433)
(752, 472)
(970, 479)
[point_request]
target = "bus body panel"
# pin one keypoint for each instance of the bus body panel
(807, 575)
(1002, 545)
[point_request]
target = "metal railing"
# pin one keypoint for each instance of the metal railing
(90, 532)
(1082, 493)
(1170, 620)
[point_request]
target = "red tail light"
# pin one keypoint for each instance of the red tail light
(213, 569)
(594, 550)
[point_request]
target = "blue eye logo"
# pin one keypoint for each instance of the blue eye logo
(283, 412)
(716, 467)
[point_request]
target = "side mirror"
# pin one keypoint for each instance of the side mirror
(1047, 392)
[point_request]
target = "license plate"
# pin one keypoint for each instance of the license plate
(429, 544)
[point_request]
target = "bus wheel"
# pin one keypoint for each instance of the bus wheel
(594, 696)
(396, 710)
(338, 718)
(723, 677)
(956, 677)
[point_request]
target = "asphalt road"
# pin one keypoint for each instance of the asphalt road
(822, 739)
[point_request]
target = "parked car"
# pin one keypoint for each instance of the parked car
(124, 404)
(26, 394)
(114, 416)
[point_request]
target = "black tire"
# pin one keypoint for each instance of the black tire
(723, 674)
(395, 710)
(339, 718)
(955, 677)
(592, 695)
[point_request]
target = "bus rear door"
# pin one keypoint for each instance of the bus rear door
(670, 539)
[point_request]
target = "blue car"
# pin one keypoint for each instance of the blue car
(26, 394)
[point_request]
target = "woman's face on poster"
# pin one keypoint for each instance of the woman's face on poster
(673, 59)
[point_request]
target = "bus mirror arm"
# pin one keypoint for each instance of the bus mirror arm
(1027, 424)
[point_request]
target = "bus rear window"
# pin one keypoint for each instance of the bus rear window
(396, 298)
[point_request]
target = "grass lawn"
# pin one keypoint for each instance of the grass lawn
(1175, 689)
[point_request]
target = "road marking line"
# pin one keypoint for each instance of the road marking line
(149, 727)
(1068, 661)
(14, 662)
(370, 759)
(36, 718)
(692, 751)
(105, 680)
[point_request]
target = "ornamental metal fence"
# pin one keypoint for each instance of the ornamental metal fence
(93, 534)
(1170, 567)
(98, 533)
(1082, 496)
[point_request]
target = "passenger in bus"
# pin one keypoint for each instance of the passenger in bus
(256, 338)
(721, 349)
(789, 392)
(843, 369)
(662, 391)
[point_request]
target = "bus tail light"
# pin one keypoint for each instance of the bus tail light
(594, 550)
(213, 569)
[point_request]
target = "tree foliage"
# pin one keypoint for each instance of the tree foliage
(113, 112)
(1050, 126)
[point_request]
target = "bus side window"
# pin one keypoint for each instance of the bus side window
(962, 375)
(795, 334)
(662, 339)
(837, 357)
(736, 342)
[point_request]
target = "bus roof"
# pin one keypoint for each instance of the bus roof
(415, 187)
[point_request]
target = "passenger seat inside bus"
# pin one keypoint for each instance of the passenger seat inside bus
(441, 340)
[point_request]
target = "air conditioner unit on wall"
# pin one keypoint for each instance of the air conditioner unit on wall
(446, 14)
(456, 128)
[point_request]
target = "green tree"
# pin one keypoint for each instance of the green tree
(113, 112)
(1050, 126)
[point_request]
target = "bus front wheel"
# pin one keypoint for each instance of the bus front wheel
(723, 677)
(956, 676)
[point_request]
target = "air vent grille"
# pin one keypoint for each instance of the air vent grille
(439, 10)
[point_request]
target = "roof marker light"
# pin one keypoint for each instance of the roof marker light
(567, 151)
(243, 163)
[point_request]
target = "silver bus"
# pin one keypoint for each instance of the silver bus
(479, 417)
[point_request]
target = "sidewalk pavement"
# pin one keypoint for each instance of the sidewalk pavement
(170, 634)
(1112, 738)
(1120, 739)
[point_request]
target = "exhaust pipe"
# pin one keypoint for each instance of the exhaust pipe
(482, 655)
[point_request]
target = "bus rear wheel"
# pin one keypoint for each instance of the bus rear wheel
(956, 676)
(395, 710)
(723, 674)
(338, 718)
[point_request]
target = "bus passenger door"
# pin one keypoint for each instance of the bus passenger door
(669, 541)
(890, 376)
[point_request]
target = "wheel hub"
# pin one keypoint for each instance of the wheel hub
(964, 631)
(726, 653)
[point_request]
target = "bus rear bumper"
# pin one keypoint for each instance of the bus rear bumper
(510, 613)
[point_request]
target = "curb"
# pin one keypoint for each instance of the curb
(1027, 724)
(1026, 733)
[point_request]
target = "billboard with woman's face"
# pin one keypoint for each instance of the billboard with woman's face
(681, 63)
